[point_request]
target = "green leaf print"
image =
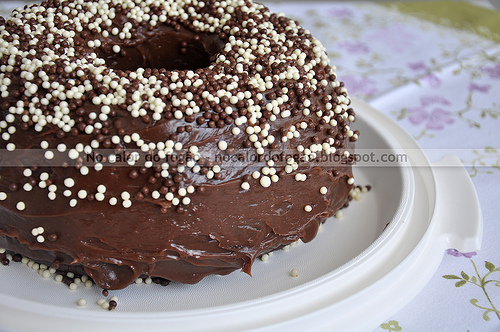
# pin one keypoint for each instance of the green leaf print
(484, 162)
(481, 282)
(489, 266)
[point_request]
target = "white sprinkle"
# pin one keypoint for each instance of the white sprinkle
(82, 302)
(20, 206)
(49, 155)
(84, 170)
(222, 145)
(265, 181)
(69, 182)
(323, 190)
(73, 154)
(61, 147)
(300, 177)
(350, 181)
(44, 144)
(245, 186)
(294, 273)
(3, 196)
(308, 208)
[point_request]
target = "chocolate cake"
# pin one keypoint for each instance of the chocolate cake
(170, 139)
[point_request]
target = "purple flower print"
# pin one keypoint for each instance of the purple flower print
(429, 100)
(494, 71)
(360, 86)
(479, 88)
(354, 47)
(434, 120)
(456, 253)
(342, 12)
(417, 66)
(397, 38)
(432, 80)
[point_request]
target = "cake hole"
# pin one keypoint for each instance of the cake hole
(167, 49)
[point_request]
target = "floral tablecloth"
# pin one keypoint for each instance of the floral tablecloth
(434, 67)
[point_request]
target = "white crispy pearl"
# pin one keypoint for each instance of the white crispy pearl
(222, 145)
(265, 181)
(69, 182)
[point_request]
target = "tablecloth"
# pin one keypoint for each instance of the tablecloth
(434, 67)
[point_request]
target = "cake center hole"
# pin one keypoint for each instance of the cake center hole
(167, 49)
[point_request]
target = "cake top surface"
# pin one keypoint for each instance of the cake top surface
(90, 77)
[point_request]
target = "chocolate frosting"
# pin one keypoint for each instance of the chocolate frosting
(237, 123)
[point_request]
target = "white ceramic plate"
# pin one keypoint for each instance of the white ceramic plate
(364, 265)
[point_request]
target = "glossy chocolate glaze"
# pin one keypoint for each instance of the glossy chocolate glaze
(223, 227)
